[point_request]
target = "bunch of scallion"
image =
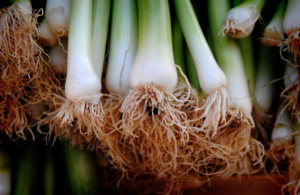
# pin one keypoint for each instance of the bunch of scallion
(153, 87)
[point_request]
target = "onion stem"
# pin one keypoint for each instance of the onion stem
(81, 171)
(191, 70)
(123, 45)
(178, 44)
(57, 16)
(27, 165)
(46, 38)
(154, 59)
(101, 11)
(58, 57)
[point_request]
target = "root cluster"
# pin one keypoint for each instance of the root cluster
(272, 37)
(151, 132)
(292, 44)
(294, 177)
(291, 99)
(26, 77)
(240, 30)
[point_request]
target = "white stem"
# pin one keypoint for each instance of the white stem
(276, 24)
(237, 85)
(123, 45)
(264, 92)
(291, 20)
(58, 57)
(283, 128)
(57, 15)
(154, 62)
(45, 35)
(81, 79)
(210, 75)
(291, 75)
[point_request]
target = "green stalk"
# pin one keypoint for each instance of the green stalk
(5, 172)
(274, 34)
(237, 2)
(178, 45)
(248, 60)
(152, 27)
(191, 70)
(123, 45)
(155, 27)
(15, 1)
(82, 174)
(248, 57)
(49, 176)
(265, 90)
(280, 11)
(258, 4)
(26, 171)
(101, 11)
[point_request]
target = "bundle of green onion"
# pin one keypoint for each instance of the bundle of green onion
(126, 93)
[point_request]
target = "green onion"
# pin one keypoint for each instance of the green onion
(265, 90)
(191, 70)
(23, 4)
(123, 45)
(57, 16)
(282, 131)
(58, 57)
(49, 173)
(212, 79)
(291, 26)
(240, 20)
(82, 81)
(154, 60)
(82, 174)
(230, 59)
(82, 86)
(101, 11)
(245, 156)
(248, 61)
(274, 35)
(178, 45)
(246, 47)
(46, 38)
(26, 170)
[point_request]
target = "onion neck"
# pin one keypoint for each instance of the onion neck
(123, 45)
(81, 80)
(101, 12)
(154, 62)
